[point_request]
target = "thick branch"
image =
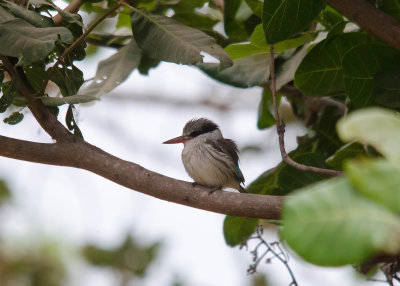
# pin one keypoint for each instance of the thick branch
(82, 155)
(46, 119)
(370, 19)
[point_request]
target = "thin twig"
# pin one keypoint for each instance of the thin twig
(280, 129)
(77, 41)
(282, 256)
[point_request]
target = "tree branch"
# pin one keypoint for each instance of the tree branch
(370, 19)
(280, 129)
(80, 154)
(44, 117)
(73, 7)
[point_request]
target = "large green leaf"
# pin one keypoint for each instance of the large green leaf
(284, 18)
(166, 39)
(112, 71)
(387, 87)
(320, 72)
(30, 16)
(5, 16)
(22, 40)
(375, 126)
(237, 229)
(245, 72)
(330, 224)
(378, 180)
(360, 65)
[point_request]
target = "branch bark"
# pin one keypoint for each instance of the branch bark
(370, 19)
(80, 154)
(73, 7)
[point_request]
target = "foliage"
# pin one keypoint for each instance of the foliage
(326, 67)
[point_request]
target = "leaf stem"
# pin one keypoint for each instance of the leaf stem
(280, 129)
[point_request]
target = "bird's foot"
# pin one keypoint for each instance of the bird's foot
(214, 189)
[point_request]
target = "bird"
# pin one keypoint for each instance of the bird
(210, 159)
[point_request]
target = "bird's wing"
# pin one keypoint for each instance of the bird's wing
(229, 148)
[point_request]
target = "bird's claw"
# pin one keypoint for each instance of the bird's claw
(214, 189)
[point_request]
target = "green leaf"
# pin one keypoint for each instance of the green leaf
(21, 39)
(36, 74)
(5, 16)
(327, 140)
(237, 51)
(69, 80)
(257, 39)
(245, 72)
(360, 65)
(256, 6)
(112, 71)
(14, 118)
(375, 126)
(283, 179)
(238, 229)
(195, 20)
(284, 18)
(329, 224)
(285, 71)
(10, 91)
(265, 117)
(166, 39)
(71, 123)
(329, 17)
(30, 16)
(347, 151)
(124, 20)
(74, 99)
(376, 179)
(320, 73)
(233, 28)
(387, 87)
(66, 16)
(258, 44)
(147, 63)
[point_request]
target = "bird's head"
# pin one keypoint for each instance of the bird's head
(196, 127)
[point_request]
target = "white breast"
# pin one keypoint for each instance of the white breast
(204, 165)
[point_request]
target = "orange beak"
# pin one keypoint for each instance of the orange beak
(179, 139)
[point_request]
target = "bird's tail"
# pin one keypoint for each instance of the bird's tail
(242, 190)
